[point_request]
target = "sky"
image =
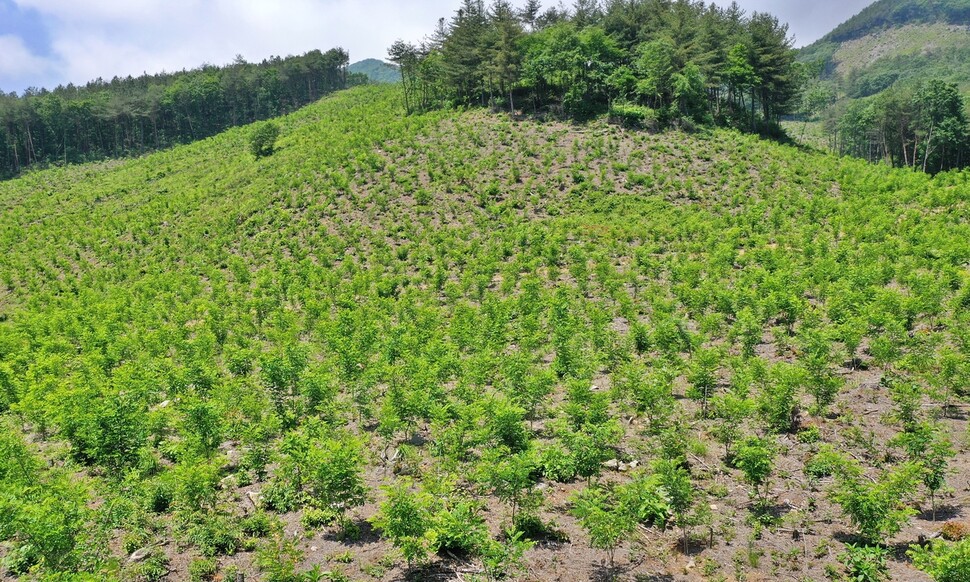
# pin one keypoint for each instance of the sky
(45, 43)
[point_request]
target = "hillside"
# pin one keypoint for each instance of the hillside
(430, 345)
(376, 70)
(897, 40)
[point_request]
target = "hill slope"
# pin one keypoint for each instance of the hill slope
(376, 70)
(897, 40)
(220, 363)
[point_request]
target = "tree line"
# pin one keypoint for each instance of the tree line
(921, 126)
(129, 116)
(653, 61)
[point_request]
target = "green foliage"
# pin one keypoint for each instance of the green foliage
(865, 563)
(200, 349)
(589, 62)
(826, 462)
(633, 116)
(607, 521)
(778, 400)
(406, 517)
(755, 456)
(943, 561)
(262, 142)
(133, 115)
(877, 509)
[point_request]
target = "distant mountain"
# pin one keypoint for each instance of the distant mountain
(896, 40)
(378, 71)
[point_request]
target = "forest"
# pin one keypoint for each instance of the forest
(652, 63)
(921, 126)
(130, 116)
(537, 350)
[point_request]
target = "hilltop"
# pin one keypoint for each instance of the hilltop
(461, 344)
(376, 70)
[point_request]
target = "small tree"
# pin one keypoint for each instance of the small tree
(334, 475)
(405, 517)
(730, 412)
(607, 521)
(680, 491)
(944, 561)
(878, 509)
(262, 142)
(508, 476)
(755, 456)
(778, 400)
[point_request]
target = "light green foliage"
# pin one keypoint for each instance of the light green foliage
(778, 400)
(334, 474)
(676, 482)
(508, 476)
(185, 328)
(405, 518)
(865, 563)
(607, 521)
(755, 456)
(877, 509)
(944, 561)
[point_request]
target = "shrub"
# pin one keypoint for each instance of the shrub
(755, 457)
(877, 509)
(262, 142)
(825, 463)
(944, 561)
(607, 522)
(865, 563)
(203, 569)
(955, 531)
(633, 115)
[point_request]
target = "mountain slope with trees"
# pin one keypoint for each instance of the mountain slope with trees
(376, 70)
(130, 116)
(891, 84)
(456, 344)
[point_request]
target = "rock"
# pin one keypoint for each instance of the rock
(139, 555)
(624, 467)
(612, 464)
(255, 497)
(634, 464)
(164, 403)
(314, 548)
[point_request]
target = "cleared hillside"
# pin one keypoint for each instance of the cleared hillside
(869, 64)
(403, 346)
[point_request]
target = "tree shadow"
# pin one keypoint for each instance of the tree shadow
(769, 512)
(442, 570)
(605, 573)
(363, 534)
(944, 512)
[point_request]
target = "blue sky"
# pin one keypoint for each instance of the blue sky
(44, 43)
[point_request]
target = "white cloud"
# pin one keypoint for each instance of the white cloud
(101, 11)
(17, 62)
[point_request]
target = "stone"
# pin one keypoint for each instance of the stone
(139, 555)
